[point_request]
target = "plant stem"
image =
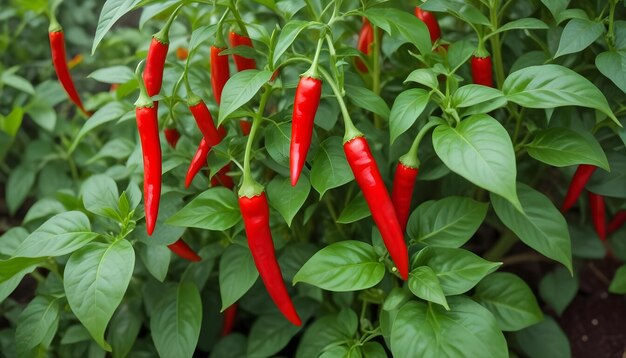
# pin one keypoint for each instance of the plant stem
(376, 72)
(248, 181)
(495, 44)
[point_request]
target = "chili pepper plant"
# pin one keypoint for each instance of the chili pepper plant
(312, 178)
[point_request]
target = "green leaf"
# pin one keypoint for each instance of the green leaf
(405, 110)
(17, 266)
(423, 282)
(550, 86)
(21, 180)
(100, 196)
(611, 64)
(42, 209)
(287, 199)
(214, 209)
(10, 284)
(113, 74)
(12, 123)
(12, 239)
(480, 150)
(558, 288)
(60, 235)
(39, 320)
(577, 35)
(95, 280)
(17, 82)
(562, 147)
(555, 6)
(164, 233)
(237, 274)
(510, 300)
(156, 258)
(449, 222)
(124, 328)
(330, 167)
(618, 284)
(403, 25)
(459, 52)
(343, 266)
(368, 100)
(540, 225)
(112, 11)
(356, 210)
(287, 36)
(424, 76)
(471, 95)
(108, 113)
(327, 330)
(458, 270)
(200, 35)
(543, 340)
(278, 141)
(240, 89)
(466, 330)
(528, 23)
(175, 322)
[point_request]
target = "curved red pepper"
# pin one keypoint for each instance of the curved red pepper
(256, 219)
(305, 105)
(198, 161)
(402, 192)
(229, 320)
(221, 178)
(155, 63)
(220, 72)
(205, 123)
(183, 250)
(369, 179)
(482, 71)
(172, 135)
(579, 180)
(59, 61)
(598, 214)
(364, 44)
(148, 126)
(241, 62)
(246, 126)
(431, 22)
(618, 220)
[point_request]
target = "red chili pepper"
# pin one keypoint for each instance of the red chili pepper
(482, 71)
(221, 178)
(618, 220)
(172, 135)
(241, 62)
(256, 219)
(57, 49)
(246, 126)
(579, 180)
(148, 126)
(305, 105)
(204, 120)
(598, 214)
(431, 22)
(402, 192)
(369, 179)
(155, 63)
(364, 44)
(229, 320)
(220, 72)
(198, 161)
(183, 250)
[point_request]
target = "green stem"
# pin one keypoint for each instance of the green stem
(312, 71)
(219, 36)
(411, 158)
(238, 19)
(496, 47)
(376, 72)
(610, 35)
(163, 35)
(143, 100)
(249, 186)
(351, 131)
(504, 244)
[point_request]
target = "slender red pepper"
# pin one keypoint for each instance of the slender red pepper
(402, 192)
(482, 71)
(148, 126)
(364, 44)
(221, 178)
(431, 22)
(204, 120)
(245, 126)
(305, 105)
(598, 214)
(579, 180)
(371, 183)
(198, 161)
(256, 219)
(172, 135)
(183, 250)
(618, 220)
(59, 61)
(229, 320)
(241, 62)
(157, 53)
(220, 72)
